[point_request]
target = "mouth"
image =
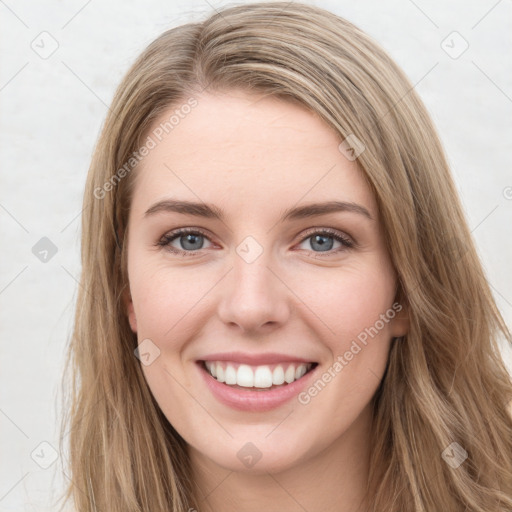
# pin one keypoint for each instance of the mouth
(256, 378)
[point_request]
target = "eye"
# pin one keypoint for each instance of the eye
(190, 241)
(322, 241)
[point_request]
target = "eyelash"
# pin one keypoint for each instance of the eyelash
(173, 235)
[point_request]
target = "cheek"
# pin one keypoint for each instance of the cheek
(165, 298)
(357, 309)
(352, 300)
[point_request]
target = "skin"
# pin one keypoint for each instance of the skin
(253, 157)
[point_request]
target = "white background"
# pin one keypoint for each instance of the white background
(51, 111)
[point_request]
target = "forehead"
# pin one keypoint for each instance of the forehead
(247, 153)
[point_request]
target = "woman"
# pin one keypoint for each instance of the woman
(281, 305)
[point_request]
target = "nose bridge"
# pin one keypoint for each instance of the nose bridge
(254, 296)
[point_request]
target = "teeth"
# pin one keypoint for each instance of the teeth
(289, 374)
(262, 377)
(230, 374)
(245, 376)
(212, 368)
(278, 375)
(300, 371)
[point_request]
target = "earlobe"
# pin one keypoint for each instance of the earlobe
(130, 311)
(131, 317)
(400, 326)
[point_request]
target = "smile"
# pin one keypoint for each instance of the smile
(258, 392)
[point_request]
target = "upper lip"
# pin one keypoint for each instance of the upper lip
(255, 359)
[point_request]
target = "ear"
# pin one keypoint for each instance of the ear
(130, 311)
(400, 323)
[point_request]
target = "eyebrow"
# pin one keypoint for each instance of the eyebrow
(300, 212)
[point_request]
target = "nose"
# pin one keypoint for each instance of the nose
(254, 297)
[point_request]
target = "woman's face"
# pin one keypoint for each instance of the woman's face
(262, 287)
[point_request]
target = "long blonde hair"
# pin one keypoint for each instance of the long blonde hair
(445, 383)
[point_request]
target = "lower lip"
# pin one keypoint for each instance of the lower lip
(254, 401)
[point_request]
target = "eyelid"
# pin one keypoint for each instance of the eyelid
(330, 231)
